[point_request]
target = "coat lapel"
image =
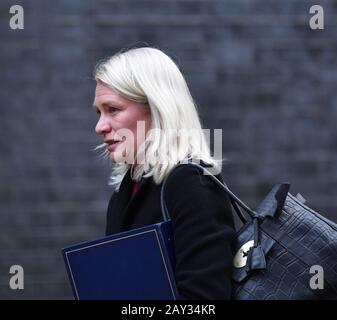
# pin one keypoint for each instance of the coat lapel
(121, 208)
(118, 204)
(131, 207)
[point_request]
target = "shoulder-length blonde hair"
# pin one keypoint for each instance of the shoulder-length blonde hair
(149, 76)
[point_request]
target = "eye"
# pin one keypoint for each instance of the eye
(112, 109)
(98, 112)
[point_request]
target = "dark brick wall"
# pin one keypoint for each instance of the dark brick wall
(255, 69)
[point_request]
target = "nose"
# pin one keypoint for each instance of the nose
(102, 126)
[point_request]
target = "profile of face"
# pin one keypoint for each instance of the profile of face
(118, 123)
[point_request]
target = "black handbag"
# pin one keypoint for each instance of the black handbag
(284, 250)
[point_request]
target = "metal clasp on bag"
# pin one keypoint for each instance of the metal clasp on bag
(240, 258)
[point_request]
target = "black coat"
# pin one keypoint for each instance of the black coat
(203, 228)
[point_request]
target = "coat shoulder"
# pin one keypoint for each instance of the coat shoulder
(189, 176)
(188, 188)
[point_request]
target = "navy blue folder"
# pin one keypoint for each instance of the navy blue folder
(131, 265)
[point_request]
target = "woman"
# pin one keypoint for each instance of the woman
(149, 123)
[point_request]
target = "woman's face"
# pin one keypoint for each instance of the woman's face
(118, 123)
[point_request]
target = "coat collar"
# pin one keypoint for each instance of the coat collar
(123, 201)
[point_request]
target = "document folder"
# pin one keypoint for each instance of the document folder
(131, 265)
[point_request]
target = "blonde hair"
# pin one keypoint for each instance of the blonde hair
(148, 75)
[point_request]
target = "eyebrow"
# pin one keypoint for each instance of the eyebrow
(107, 103)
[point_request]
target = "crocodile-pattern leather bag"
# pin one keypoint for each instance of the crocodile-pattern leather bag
(284, 250)
(297, 255)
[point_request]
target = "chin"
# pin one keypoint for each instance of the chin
(112, 157)
(118, 157)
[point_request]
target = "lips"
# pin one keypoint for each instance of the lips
(111, 144)
(108, 142)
